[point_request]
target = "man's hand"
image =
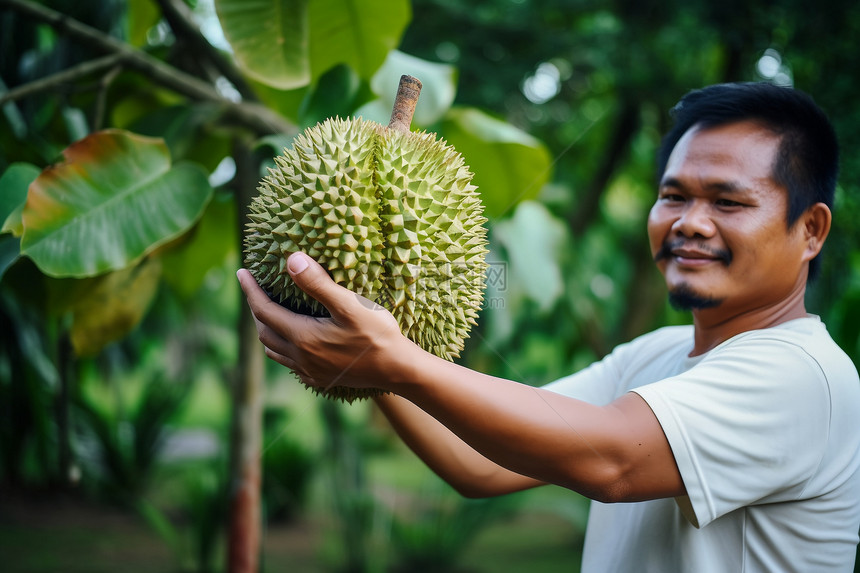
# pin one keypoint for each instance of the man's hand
(360, 346)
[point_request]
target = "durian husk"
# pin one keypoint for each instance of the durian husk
(392, 216)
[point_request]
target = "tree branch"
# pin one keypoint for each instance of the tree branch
(67, 76)
(255, 116)
(181, 21)
(101, 99)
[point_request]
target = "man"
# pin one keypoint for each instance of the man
(729, 445)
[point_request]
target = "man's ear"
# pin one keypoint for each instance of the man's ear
(816, 226)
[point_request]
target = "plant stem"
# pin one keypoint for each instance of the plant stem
(101, 97)
(404, 103)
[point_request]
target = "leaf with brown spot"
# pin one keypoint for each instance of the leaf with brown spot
(115, 198)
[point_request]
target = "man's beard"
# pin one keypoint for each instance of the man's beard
(683, 297)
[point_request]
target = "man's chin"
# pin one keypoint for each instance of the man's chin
(683, 297)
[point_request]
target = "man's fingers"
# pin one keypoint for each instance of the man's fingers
(276, 342)
(266, 312)
(257, 297)
(284, 360)
(312, 278)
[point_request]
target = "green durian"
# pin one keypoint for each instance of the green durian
(392, 215)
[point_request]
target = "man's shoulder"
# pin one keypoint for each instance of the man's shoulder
(807, 334)
(797, 358)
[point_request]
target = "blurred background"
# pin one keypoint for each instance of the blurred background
(139, 422)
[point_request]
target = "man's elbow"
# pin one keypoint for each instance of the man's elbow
(612, 493)
(623, 484)
(608, 483)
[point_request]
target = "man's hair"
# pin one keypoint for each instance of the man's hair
(807, 162)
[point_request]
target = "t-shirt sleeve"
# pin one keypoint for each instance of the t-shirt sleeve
(599, 383)
(747, 425)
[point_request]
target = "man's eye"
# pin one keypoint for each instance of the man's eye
(728, 203)
(673, 197)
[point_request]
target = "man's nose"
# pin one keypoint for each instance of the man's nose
(695, 220)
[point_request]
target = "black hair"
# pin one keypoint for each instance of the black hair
(807, 162)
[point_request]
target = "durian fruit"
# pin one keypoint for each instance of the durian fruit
(390, 213)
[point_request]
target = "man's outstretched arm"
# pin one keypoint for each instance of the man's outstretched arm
(613, 453)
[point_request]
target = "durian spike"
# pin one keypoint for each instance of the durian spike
(404, 103)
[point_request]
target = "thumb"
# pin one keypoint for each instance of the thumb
(312, 278)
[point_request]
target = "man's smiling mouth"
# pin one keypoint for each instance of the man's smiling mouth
(688, 253)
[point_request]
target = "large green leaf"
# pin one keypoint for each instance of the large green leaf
(115, 198)
(269, 39)
(188, 132)
(14, 183)
(10, 248)
(106, 308)
(509, 165)
(359, 33)
(290, 43)
(210, 242)
(534, 240)
(334, 94)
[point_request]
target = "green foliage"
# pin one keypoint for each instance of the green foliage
(354, 505)
(534, 241)
(288, 467)
(14, 182)
(28, 378)
(270, 40)
(289, 44)
(125, 440)
(439, 85)
(106, 308)
(509, 164)
(196, 535)
(206, 246)
(435, 534)
(113, 199)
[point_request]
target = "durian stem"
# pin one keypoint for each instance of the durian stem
(404, 103)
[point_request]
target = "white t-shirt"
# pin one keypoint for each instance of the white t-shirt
(765, 429)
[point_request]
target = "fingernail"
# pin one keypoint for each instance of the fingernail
(297, 263)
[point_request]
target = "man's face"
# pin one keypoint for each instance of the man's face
(718, 230)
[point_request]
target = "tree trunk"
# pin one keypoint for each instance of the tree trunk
(244, 530)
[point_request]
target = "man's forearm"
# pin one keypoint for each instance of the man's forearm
(526, 430)
(469, 472)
